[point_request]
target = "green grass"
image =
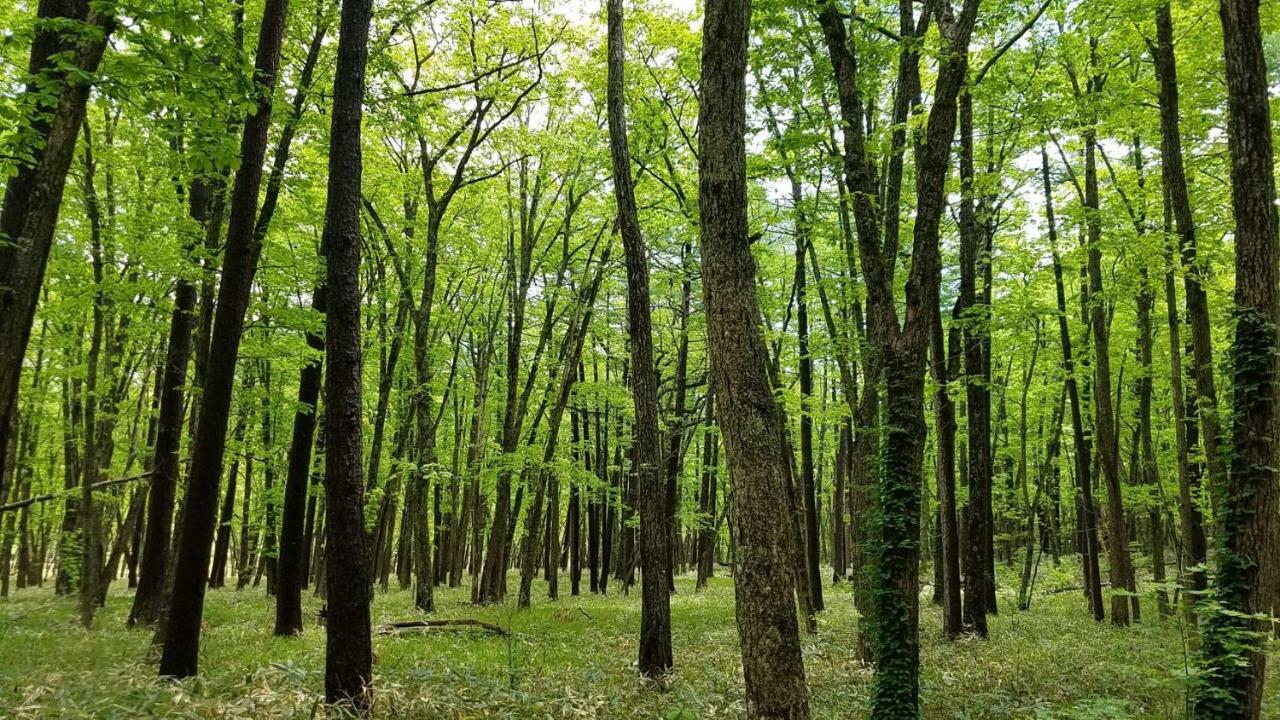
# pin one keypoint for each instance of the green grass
(575, 658)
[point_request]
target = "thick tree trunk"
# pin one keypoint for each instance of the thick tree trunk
(33, 195)
(348, 648)
(1247, 582)
(753, 430)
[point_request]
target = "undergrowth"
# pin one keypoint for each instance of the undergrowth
(575, 658)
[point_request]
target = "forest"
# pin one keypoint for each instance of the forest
(650, 359)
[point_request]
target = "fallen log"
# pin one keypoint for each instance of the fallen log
(395, 627)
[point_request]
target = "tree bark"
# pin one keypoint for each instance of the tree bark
(973, 317)
(656, 502)
(949, 531)
(1194, 542)
(240, 259)
(1082, 446)
(348, 646)
(292, 568)
(1246, 583)
(768, 634)
(33, 196)
(1120, 567)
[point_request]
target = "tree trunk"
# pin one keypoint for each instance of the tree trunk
(1086, 508)
(949, 531)
(1194, 541)
(33, 195)
(753, 430)
(240, 259)
(812, 537)
(1120, 566)
(977, 372)
(222, 545)
(292, 562)
(348, 647)
(1247, 582)
(656, 503)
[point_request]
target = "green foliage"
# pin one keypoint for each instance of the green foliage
(575, 658)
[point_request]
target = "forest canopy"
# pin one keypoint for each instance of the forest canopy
(526, 358)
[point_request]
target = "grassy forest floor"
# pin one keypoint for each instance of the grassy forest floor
(576, 658)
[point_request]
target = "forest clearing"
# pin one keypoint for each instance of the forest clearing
(772, 359)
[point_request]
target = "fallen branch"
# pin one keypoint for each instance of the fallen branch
(395, 627)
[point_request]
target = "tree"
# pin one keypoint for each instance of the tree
(1246, 580)
(240, 259)
(749, 418)
(54, 99)
(655, 510)
(348, 650)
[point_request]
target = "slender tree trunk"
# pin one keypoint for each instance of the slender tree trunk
(945, 424)
(1086, 511)
(246, 527)
(1194, 542)
(656, 503)
(292, 562)
(575, 336)
(1120, 567)
(709, 531)
(812, 537)
(222, 545)
(973, 317)
(240, 259)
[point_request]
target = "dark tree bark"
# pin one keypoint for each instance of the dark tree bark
(1120, 565)
(749, 415)
(348, 647)
(493, 580)
(948, 526)
(542, 482)
(1246, 582)
(148, 601)
(222, 544)
(1194, 542)
(1082, 446)
(240, 259)
(292, 562)
(709, 531)
(33, 196)
(972, 313)
(901, 347)
(812, 536)
(266, 564)
(656, 502)
(243, 568)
